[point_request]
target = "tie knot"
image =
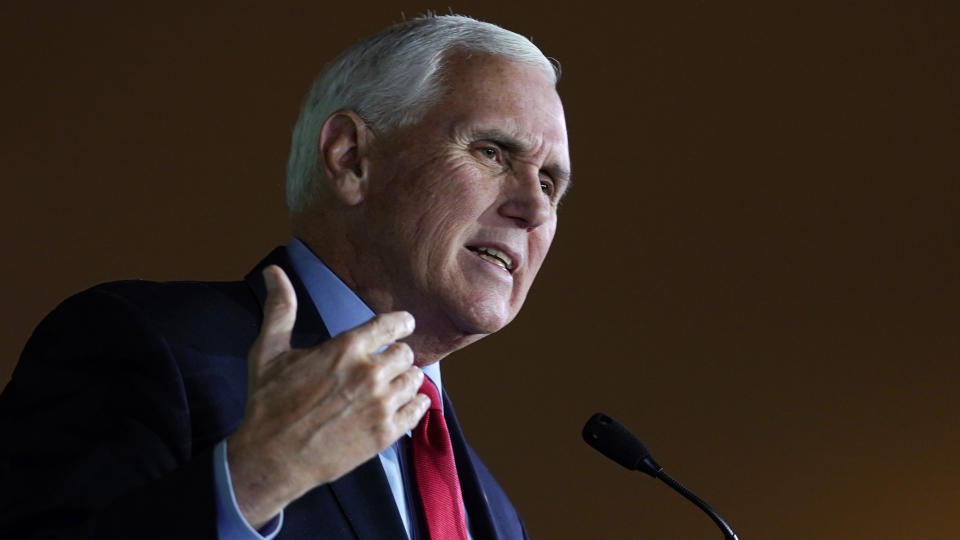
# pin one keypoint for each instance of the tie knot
(430, 390)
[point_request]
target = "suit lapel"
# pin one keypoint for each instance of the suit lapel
(474, 497)
(365, 498)
(309, 329)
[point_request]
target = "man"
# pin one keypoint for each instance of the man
(423, 184)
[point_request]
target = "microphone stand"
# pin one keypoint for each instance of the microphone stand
(728, 533)
(614, 440)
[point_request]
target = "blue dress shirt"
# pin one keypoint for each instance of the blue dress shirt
(341, 310)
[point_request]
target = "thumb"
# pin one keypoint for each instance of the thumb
(279, 315)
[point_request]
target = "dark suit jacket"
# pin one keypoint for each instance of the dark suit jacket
(109, 421)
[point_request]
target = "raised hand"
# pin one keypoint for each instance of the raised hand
(315, 414)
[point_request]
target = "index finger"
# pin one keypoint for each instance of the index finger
(380, 331)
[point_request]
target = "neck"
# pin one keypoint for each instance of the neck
(431, 341)
(428, 349)
(433, 338)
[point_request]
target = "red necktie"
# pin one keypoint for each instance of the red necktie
(437, 473)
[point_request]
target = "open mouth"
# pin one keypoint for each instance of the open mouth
(494, 256)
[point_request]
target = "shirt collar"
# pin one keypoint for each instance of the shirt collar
(339, 307)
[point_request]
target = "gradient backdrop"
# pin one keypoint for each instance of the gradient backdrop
(757, 270)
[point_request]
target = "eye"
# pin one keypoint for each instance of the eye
(546, 186)
(490, 152)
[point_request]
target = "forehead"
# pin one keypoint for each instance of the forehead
(488, 93)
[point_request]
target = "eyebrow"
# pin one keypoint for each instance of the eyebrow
(511, 143)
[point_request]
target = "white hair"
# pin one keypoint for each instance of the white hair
(390, 79)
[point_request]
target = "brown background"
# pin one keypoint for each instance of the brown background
(757, 269)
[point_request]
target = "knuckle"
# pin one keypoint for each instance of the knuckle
(347, 342)
(375, 324)
(422, 405)
(409, 380)
(418, 379)
(411, 416)
(402, 352)
(405, 349)
(364, 374)
(336, 358)
(381, 412)
(394, 323)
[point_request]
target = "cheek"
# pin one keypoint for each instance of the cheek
(444, 225)
(540, 242)
(458, 198)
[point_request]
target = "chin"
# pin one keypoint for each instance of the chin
(484, 317)
(455, 327)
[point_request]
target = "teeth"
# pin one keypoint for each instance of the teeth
(495, 256)
(494, 260)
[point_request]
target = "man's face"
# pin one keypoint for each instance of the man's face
(462, 206)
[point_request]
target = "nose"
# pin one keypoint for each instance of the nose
(524, 201)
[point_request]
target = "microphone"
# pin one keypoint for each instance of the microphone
(614, 440)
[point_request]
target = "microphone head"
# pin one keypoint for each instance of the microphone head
(614, 440)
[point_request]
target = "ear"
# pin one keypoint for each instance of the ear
(343, 148)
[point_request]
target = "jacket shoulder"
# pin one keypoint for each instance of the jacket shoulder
(186, 303)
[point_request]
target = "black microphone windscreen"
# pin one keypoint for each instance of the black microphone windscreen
(614, 440)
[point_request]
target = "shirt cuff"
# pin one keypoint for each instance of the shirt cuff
(231, 525)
